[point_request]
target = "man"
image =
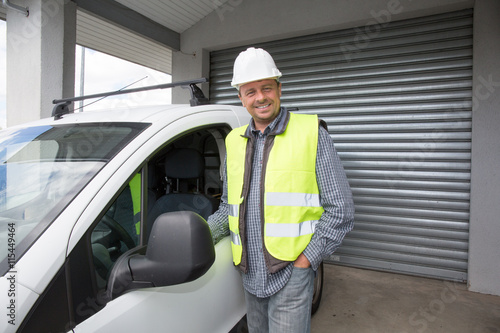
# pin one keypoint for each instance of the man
(286, 200)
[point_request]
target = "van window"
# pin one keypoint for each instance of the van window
(43, 168)
(117, 231)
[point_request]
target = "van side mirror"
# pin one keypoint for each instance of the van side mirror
(180, 250)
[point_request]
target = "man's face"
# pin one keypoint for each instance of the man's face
(262, 101)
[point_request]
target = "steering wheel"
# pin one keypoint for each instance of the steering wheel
(118, 229)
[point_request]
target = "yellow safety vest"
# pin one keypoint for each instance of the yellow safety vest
(135, 192)
(291, 196)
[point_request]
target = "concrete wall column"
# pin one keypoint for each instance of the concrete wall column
(40, 58)
(484, 239)
(189, 66)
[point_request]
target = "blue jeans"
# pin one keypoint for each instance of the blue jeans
(289, 310)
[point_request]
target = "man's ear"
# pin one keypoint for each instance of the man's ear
(239, 96)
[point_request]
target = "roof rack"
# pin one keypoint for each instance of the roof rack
(197, 97)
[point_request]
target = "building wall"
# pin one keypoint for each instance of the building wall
(243, 22)
(484, 244)
(41, 59)
(240, 22)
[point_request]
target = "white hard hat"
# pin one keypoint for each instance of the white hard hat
(253, 65)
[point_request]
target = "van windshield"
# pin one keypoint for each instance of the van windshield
(42, 169)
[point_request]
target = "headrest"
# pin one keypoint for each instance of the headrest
(184, 163)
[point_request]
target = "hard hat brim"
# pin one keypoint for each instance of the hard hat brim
(237, 85)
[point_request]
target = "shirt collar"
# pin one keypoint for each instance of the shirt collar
(272, 126)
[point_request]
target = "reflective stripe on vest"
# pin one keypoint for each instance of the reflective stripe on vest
(235, 238)
(290, 229)
(292, 199)
(233, 214)
(234, 210)
(292, 203)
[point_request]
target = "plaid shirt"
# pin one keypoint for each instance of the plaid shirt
(335, 222)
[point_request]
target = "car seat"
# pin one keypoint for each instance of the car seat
(184, 169)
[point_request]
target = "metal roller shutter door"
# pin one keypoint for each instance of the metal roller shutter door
(98, 34)
(397, 98)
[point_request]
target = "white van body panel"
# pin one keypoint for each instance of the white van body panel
(24, 299)
(199, 306)
(212, 303)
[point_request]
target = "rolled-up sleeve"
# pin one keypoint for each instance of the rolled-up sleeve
(336, 198)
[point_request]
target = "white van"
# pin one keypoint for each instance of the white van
(79, 193)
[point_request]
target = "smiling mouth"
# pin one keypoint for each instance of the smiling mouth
(263, 106)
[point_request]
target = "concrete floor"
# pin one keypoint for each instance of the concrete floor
(359, 301)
